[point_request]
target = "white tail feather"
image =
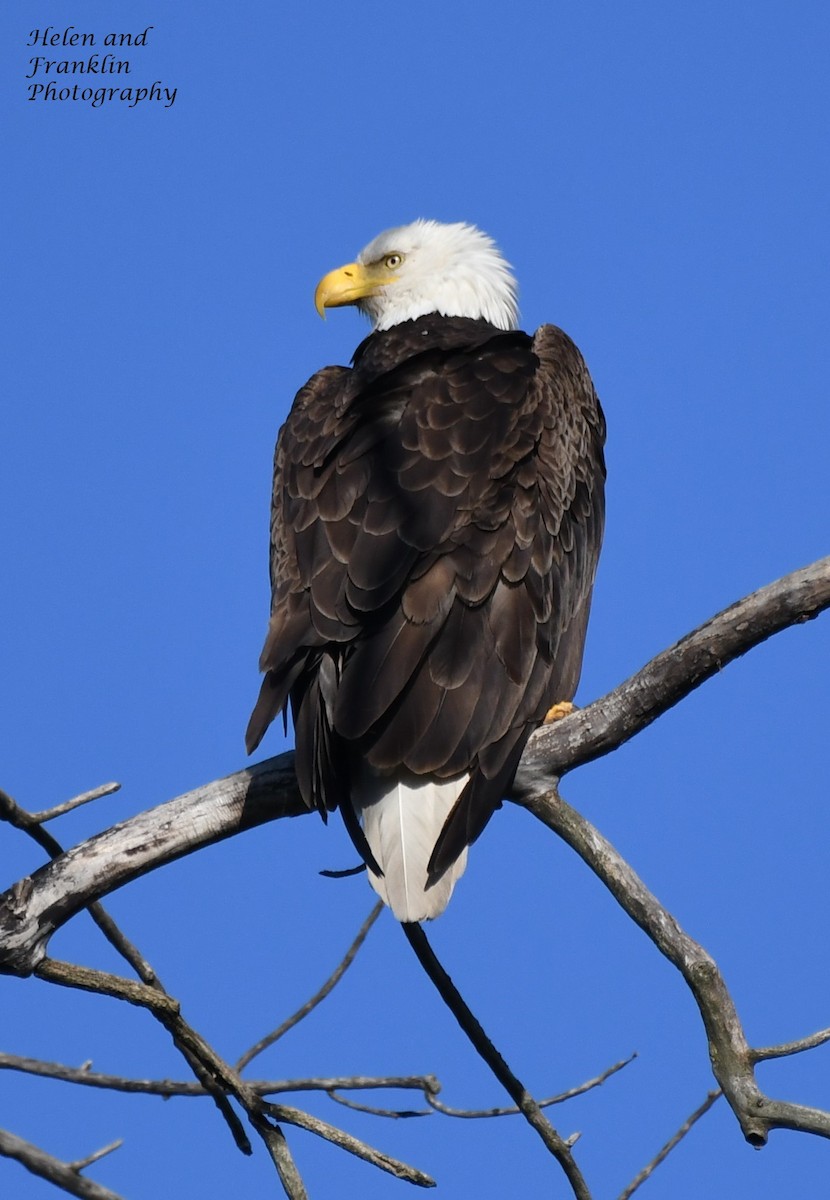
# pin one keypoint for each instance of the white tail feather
(402, 821)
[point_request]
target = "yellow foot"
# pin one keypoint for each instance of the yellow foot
(559, 711)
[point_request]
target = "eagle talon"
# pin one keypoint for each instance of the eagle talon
(563, 709)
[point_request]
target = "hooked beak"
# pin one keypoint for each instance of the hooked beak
(349, 285)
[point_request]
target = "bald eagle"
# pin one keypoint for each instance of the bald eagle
(436, 522)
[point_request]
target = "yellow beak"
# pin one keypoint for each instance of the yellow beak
(349, 284)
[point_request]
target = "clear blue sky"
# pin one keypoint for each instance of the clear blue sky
(658, 176)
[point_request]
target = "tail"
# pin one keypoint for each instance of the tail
(402, 820)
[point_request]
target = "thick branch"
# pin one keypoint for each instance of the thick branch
(36, 906)
(604, 725)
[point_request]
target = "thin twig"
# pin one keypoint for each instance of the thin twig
(473, 1113)
(338, 1137)
(54, 1170)
(787, 1048)
(318, 996)
(673, 1141)
(49, 814)
(19, 818)
(166, 1010)
(80, 1164)
(397, 1114)
(172, 1087)
(558, 1146)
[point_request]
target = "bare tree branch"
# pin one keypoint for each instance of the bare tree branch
(558, 1146)
(431, 1090)
(277, 1147)
(167, 1011)
(201, 1057)
(173, 1087)
(785, 1049)
(338, 1137)
(592, 732)
(473, 1113)
(395, 1114)
(49, 814)
(81, 1164)
(66, 1176)
(319, 995)
(732, 1059)
(30, 824)
(673, 1141)
(36, 906)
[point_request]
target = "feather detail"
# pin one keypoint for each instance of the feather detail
(402, 821)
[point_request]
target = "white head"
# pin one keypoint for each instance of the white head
(426, 267)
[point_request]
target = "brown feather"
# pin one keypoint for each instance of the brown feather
(437, 518)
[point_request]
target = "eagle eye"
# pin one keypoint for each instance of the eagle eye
(393, 261)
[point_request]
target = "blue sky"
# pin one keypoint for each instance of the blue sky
(658, 175)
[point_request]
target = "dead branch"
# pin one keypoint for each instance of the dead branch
(560, 1098)
(31, 825)
(675, 1140)
(318, 996)
(558, 1146)
(168, 1088)
(213, 1070)
(395, 1114)
(785, 1049)
(36, 906)
(216, 1077)
(81, 1164)
(733, 1060)
(339, 1137)
(592, 732)
(59, 810)
(259, 1111)
(66, 1176)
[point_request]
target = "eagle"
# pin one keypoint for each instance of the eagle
(436, 522)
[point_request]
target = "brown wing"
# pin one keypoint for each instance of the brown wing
(538, 612)
(435, 537)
